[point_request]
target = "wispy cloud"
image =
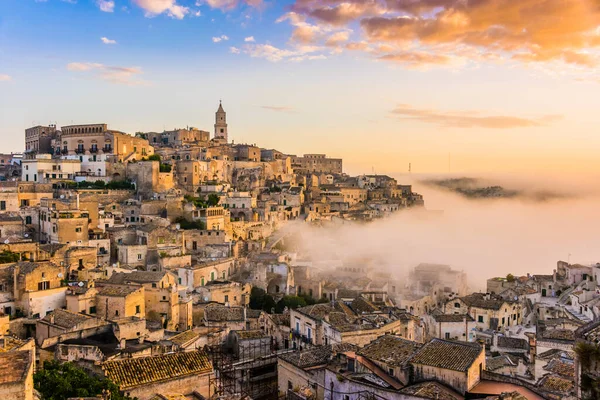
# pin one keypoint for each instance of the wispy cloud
(114, 74)
(469, 119)
(234, 50)
(228, 5)
(156, 7)
(249, 39)
(278, 108)
(218, 39)
(106, 40)
(5, 78)
(106, 5)
(275, 54)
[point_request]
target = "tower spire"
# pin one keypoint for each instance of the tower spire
(221, 122)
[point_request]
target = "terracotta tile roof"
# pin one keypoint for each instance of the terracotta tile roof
(249, 335)
(390, 349)
(452, 318)
(184, 337)
(281, 319)
(26, 267)
(66, 319)
(117, 290)
(316, 311)
(14, 366)
(495, 363)
(456, 356)
(8, 343)
(546, 355)
(563, 368)
(121, 278)
(250, 313)
(558, 334)
(132, 372)
(513, 343)
(308, 358)
(362, 305)
(480, 300)
(430, 390)
(219, 313)
(553, 383)
(347, 294)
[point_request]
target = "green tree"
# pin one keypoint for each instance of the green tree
(187, 225)
(61, 381)
(213, 200)
(291, 302)
(260, 300)
(154, 157)
(510, 278)
(9, 257)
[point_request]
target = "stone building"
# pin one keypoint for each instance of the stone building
(457, 364)
(317, 163)
(489, 311)
(16, 379)
(117, 301)
(452, 327)
(177, 137)
(44, 169)
(175, 374)
(38, 140)
(60, 322)
(225, 292)
(95, 139)
(392, 354)
(39, 287)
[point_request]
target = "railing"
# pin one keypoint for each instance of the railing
(80, 151)
(94, 150)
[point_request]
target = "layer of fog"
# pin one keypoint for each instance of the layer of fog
(485, 238)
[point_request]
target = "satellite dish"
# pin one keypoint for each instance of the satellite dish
(60, 275)
(6, 241)
(80, 284)
(27, 235)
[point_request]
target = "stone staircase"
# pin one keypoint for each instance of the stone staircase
(575, 313)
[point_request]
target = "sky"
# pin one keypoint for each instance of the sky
(461, 86)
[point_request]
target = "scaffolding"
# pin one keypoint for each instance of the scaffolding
(248, 372)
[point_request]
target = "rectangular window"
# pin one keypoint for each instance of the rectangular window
(447, 335)
(93, 310)
(2, 205)
(137, 309)
(226, 298)
(480, 318)
(139, 257)
(43, 285)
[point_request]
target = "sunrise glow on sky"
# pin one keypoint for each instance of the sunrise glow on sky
(494, 85)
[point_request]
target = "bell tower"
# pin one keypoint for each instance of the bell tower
(221, 123)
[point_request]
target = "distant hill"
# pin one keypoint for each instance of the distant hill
(475, 188)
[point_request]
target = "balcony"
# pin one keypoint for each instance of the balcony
(107, 149)
(94, 150)
(79, 151)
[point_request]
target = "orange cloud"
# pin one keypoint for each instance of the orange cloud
(522, 30)
(468, 119)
